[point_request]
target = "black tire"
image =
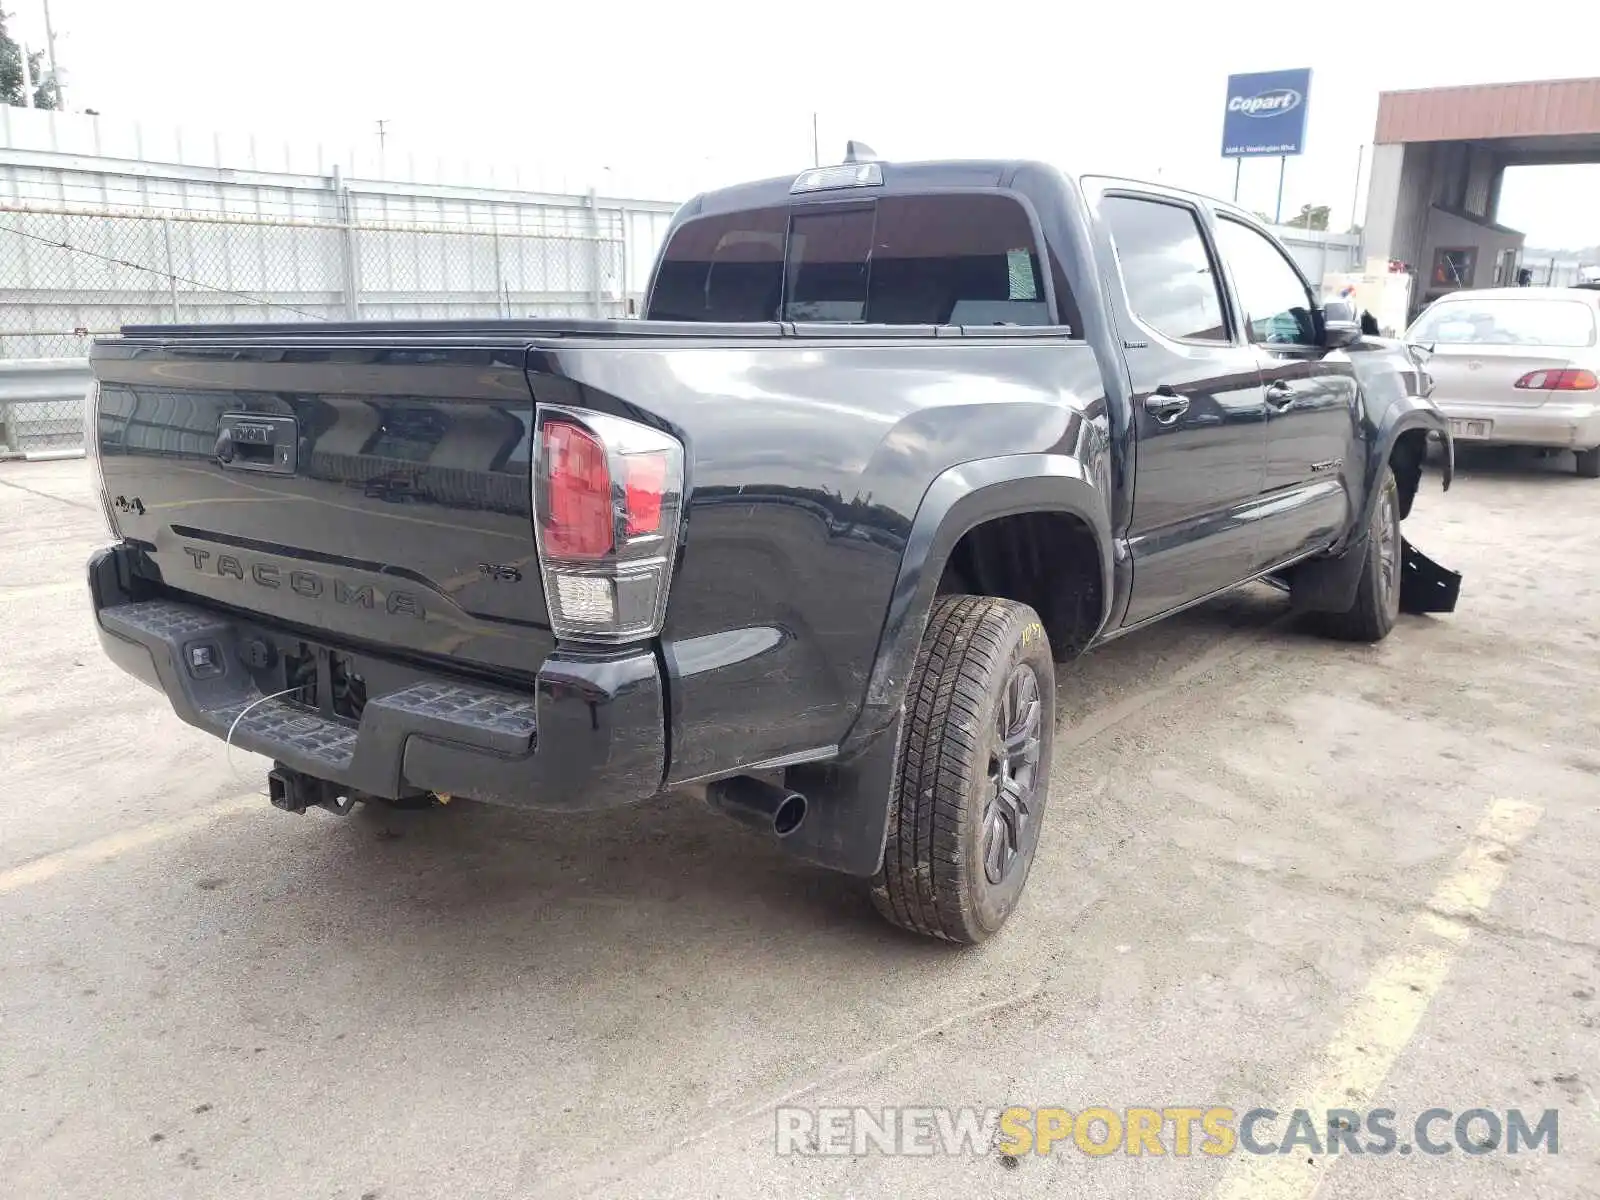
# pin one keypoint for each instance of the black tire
(1377, 603)
(961, 842)
(1589, 463)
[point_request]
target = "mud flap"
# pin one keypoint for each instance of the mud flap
(1425, 586)
(1328, 584)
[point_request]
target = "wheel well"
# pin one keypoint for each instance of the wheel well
(1410, 449)
(1047, 560)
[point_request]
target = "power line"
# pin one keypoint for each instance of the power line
(194, 283)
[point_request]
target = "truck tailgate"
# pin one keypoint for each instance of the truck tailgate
(374, 492)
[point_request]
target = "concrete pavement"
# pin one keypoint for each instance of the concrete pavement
(1273, 868)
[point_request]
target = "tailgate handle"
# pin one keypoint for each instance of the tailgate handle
(249, 442)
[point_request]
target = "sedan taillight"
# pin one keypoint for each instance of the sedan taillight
(607, 498)
(1567, 379)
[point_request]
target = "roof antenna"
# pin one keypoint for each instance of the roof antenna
(859, 152)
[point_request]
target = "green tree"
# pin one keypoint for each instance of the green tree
(1311, 217)
(45, 94)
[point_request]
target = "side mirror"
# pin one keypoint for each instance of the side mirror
(1341, 325)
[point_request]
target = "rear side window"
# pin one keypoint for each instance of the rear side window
(1166, 268)
(724, 268)
(896, 260)
(1506, 322)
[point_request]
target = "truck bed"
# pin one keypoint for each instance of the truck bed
(406, 527)
(533, 330)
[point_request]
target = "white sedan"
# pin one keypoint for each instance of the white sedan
(1518, 366)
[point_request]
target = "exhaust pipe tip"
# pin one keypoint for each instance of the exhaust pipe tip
(762, 806)
(789, 815)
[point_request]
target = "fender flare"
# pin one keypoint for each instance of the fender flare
(1404, 415)
(960, 499)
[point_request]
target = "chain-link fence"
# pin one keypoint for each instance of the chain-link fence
(1547, 270)
(68, 276)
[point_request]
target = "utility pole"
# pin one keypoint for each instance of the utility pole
(381, 135)
(816, 155)
(1355, 195)
(50, 56)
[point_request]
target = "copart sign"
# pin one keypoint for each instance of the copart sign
(1266, 114)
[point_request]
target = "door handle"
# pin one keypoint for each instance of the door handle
(1280, 394)
(1165, 405)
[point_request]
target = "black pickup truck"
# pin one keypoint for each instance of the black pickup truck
(892, 440)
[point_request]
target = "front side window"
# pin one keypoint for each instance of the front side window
(1166, 268)
(941, 259)
(1506, 322)
(1277, 307)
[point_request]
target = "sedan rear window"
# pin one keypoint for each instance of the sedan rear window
(952, 259)
(1506, 322)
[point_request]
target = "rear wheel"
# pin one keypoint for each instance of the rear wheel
(1589, 463)
(1377, 603)
(974, 771)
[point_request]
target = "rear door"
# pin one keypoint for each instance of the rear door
(1496, 351)
(1199, 412)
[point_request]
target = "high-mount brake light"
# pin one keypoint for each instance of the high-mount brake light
(607, 501)
(820, 179)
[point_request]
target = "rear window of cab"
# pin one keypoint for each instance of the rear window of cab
(1506, 321)
(951, 259)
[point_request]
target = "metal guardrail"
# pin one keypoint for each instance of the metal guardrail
(41, 406)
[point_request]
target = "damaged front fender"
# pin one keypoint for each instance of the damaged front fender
(1425, 586)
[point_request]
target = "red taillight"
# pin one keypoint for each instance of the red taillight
(1567, 379)
(607, 503)
(644, 487)
(579, 521)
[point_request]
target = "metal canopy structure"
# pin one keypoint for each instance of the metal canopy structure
(1560, 116)
(1439, 156)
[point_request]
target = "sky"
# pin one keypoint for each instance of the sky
(662, 100)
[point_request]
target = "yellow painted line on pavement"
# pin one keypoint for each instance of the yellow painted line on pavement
(1383, 1019)
(117, 844)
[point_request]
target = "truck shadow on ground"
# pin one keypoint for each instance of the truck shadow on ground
(567, 957)
(458, 875)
